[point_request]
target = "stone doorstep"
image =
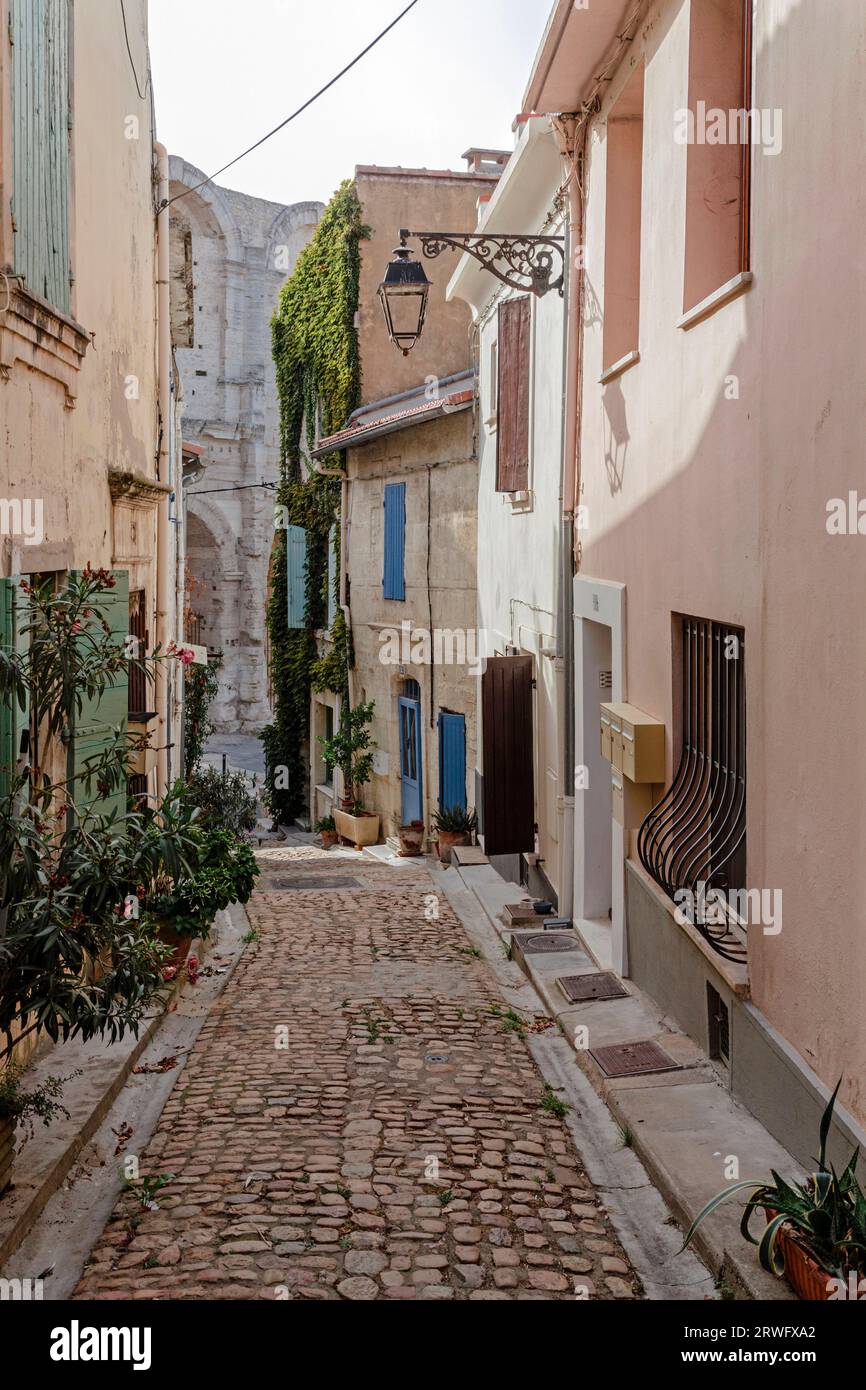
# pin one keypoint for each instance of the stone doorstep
(51, 1153)
(678, 1119)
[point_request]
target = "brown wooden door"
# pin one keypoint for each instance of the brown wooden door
(509, 783)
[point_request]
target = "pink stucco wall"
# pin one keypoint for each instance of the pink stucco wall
(717, 507)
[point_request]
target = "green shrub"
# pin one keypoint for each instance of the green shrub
(222, 800)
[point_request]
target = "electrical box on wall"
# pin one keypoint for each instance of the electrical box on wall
(633, 742)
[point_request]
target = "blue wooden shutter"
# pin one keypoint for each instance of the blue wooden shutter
(332, 575)
(40, 146)
(393, 581)
(103, 716)
(296, 571)
(452, 762)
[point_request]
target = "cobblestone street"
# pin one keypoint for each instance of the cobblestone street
(360, 1118)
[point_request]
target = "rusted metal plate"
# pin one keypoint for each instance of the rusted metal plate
(581, 988)
(549, 941)
(633, 1059)
(311, 883)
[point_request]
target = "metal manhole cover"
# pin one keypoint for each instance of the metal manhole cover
(548, 942)
(312, 882)
(582, 988)
(633, 1059)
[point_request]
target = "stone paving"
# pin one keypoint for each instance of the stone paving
(360, 1118)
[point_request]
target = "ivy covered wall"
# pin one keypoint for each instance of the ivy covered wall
(315, 347)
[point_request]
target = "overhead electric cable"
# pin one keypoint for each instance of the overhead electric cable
(364, 51)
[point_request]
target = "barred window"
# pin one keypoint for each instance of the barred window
(695, 837)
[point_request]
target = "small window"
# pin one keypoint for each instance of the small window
(718, 1026)
(393, 578)
(718, 131)
(623, 223)
(513, 394)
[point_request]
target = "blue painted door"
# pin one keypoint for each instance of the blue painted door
(452, 762)
(410, 759)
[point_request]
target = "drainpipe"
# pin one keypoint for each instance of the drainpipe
(565, 128)
(344, 571)
(163, 577)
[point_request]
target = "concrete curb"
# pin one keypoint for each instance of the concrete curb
(663, 1113)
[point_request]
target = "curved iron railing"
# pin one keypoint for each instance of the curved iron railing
(694, 837)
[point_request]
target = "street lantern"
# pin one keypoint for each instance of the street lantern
(403, 293)
(526, 263)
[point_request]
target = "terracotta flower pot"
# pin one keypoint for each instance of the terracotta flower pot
(7, 1151)
(805, 1276)
(448, 839)
(329, 838)
(180, 941)
(411, 838)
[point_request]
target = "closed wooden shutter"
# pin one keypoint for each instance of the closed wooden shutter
(40, 146)
(509, 783)
(103, 716)
(393, 579)
(452, 762)
(512, 433)
(8, 751)
(332, 575)
(296, 572)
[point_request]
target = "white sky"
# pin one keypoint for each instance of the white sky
(450, 75)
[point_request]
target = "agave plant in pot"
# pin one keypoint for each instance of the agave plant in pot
(326, 827)
(815, 1232)
(455, 826)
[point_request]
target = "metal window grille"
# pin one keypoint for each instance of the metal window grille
(137, 697)
(696, 834)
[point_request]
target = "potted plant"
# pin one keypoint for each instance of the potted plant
(815, 1233)
(224, 871)
(411, 838)
(18, 1106)
(455, 826)
(328, 831)
(351, 749)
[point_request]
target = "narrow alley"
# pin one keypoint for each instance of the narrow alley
(360, 1117)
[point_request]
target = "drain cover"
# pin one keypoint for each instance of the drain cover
(548, 942)
(603, 985)
(633, 1059)
(313, 881)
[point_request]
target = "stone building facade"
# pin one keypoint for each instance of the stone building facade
(235, 251)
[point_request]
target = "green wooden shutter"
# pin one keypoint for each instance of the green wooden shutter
(103, 715)
(40, 146)
(296, 566)
(7, 705)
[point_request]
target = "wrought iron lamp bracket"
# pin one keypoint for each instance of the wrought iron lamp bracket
(524, 263)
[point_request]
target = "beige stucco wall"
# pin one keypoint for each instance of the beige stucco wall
(717, 507)
(62, 429)
(420, 201)
(445, 448)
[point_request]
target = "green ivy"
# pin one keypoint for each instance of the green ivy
(315, 348)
